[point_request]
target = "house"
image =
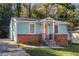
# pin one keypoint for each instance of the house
(25, 30)
(75, 33)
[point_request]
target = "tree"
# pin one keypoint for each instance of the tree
(46, 6)
(5, 16)
(40, 10)
(37, 11)
(66, 12)
(29, 8)
(22, 10)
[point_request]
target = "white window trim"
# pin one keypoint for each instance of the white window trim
(48, 28)
(58, 28)
(51, 28)
(34, 28)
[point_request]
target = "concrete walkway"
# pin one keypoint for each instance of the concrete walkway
(9, 48)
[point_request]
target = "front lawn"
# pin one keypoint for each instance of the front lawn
(69, 51)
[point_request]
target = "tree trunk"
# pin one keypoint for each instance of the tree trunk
(29, 10)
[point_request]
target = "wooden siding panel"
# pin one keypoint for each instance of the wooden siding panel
(50, 28)
(22, 28)
(62, 29)
(38, 28)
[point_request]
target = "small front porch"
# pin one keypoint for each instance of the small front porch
(50, 33)
(47, 25)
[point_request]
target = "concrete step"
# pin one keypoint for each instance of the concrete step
(52, 43)
(7, 41)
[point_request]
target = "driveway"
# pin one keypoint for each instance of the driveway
(9, 48)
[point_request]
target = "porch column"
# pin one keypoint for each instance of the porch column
(15, 32)
(44, 30)
(10, 32)
(53, 29)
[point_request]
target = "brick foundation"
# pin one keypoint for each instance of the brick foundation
(60, 38)
(28, 38)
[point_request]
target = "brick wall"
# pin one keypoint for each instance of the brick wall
(60, 38)
(28, 38)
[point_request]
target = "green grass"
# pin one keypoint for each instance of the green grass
(69, 51)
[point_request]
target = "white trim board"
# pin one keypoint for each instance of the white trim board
(34, 28)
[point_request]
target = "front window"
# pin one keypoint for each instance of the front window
(32, 28)
(56, 28)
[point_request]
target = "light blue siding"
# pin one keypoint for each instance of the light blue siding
(22, 28)
(50, 30)
(62, 29)
(38, 28)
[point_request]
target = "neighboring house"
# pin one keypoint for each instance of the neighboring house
(75, 36)
(75, 33)
(23, 30)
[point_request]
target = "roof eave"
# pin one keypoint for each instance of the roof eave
(25, 21)
(60, 22)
